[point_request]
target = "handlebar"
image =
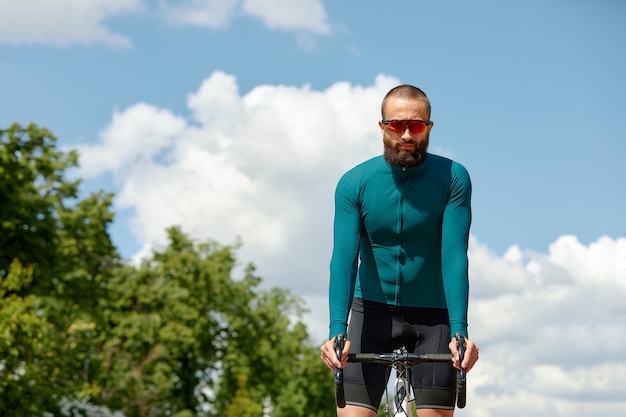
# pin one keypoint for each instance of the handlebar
(400, 356)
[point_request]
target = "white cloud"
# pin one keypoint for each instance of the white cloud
(63, 22)
(551, 329)
(139, 134)
(264, 165)
(209, 13)
(306, 15)
(259, 166)
(601, 261)
(302, 15)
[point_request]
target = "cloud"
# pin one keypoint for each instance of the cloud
(260, 166)
(63, 22)
(139, 134)
(550, 327)
(263, 166)
(303, 15)
(66, 22)
(209, 13)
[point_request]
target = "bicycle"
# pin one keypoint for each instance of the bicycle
(401, 360)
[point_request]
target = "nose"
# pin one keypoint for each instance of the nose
(406, 132)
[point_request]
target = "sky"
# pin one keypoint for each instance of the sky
(234, 119)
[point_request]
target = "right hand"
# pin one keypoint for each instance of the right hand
(330, 358)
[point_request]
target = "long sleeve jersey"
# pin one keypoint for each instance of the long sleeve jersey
(401, 238)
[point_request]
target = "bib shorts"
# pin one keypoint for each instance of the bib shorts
(380, 328)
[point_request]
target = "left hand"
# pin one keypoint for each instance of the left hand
(471, 354)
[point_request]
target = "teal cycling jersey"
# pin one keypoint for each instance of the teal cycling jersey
(401, 238)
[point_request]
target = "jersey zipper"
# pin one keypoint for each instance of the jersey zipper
(400, 226)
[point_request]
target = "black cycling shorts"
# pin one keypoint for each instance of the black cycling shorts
(381, 328)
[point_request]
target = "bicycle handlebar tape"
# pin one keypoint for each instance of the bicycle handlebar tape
(339, 393)
(461, 380)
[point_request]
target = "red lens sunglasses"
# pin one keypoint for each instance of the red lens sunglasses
(414, 126)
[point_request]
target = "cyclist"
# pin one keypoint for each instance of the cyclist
(399, 264)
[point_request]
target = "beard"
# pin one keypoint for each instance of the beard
(403, 158)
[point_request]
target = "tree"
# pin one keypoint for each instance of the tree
(54, 249)
(22, 339)
(161, 321)
(175, 335)
(271, 352)
(309, 391)
(185, 337)
(67, 243)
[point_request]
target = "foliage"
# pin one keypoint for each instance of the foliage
(309, 391)
(53, 250)
(161, 323)
(77, 408)
(84, 333)
(39, 226)
(179, 322)
(22, 340)
(273, 357)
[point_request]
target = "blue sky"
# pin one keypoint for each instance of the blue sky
(527, 95)
(237, 117)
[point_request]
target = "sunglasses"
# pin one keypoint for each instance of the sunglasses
(414, 126)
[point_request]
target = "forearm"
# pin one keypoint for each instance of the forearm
(344, 261)
(341, 291)
(455, 237)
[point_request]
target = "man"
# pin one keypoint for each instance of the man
(399, 263)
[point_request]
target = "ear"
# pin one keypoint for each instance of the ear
(382, 126)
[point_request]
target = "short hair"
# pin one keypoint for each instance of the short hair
(405, 91)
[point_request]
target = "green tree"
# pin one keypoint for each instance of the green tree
(160, 327)
(42, 223)
(176, 335)
(185, 337)
(54, 254)
(22, 340)
(309, 391)
(270, 350)
(242, 405)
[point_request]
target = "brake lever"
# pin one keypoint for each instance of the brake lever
(460, 347)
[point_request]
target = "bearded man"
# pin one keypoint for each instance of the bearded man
(399, 267)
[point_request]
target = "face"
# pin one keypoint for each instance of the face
(404, 148)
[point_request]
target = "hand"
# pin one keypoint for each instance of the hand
(330, 357)
(471, 354)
